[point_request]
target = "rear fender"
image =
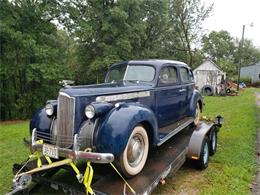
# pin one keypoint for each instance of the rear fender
(117, 125)
(196, 97)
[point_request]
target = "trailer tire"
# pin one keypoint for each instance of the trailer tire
(203, 161)
(213, 142)
(134, 156)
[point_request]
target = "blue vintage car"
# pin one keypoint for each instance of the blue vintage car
(141, 105)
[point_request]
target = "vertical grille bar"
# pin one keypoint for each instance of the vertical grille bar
(65, 120)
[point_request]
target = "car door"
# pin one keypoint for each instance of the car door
(168, 96)
(188, 86)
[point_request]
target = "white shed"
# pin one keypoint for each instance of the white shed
(208, 77)
(252, 72)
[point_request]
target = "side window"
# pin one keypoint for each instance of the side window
(168, 75)
(185, 75)
(191, 75)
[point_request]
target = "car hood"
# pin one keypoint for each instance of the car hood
(104, 89)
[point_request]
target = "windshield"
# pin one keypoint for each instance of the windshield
(131, 73)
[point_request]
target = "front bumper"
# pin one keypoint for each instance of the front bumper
(73, 154)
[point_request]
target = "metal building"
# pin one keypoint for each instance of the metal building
(251, 72)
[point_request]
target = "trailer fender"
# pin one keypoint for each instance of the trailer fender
(197, 138)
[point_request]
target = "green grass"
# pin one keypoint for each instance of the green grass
(230, 171)
(12, 151)
(232, 168)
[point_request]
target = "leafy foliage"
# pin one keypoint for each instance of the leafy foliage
(43, 42)
(32, 59)
(223, 49)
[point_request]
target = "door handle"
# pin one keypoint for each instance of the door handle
(182, 90)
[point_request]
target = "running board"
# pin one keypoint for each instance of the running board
(175, 131)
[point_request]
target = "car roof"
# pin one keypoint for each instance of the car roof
(156, 62)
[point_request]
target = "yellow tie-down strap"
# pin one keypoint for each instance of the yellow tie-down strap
(88, 175)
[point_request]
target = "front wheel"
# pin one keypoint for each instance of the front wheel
(133, 159)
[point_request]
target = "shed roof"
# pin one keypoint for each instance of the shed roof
(200, 67)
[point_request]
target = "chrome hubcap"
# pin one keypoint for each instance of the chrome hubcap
(206, 153)
(135, 150)
(214, 140)
(197, 114)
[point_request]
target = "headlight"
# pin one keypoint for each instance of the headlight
(49, 109)
(90, 111)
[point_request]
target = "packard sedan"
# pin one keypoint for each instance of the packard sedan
(141, 105)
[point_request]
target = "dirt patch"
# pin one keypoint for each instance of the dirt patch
(256, 183)
(184, 182)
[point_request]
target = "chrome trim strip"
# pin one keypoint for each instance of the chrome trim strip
(124, 96)
(65, 94)
(70, 120)
(34, 137)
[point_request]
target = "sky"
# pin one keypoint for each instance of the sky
(231, 15)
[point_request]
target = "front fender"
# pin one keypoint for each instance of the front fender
(196, 97)
(116, 127)
(41, 121)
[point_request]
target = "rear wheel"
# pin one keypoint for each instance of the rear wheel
(133, 159)
(197, 115)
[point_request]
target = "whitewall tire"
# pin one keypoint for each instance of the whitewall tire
(134, 157)
(197, 115)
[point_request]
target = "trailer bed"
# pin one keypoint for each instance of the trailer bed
(162, 161)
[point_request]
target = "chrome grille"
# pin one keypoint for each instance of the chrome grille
(65, 120)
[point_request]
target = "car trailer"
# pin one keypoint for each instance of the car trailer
(193, 143)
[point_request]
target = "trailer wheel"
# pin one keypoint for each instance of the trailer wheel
(134, 157)
(202, 162)
(213, 142)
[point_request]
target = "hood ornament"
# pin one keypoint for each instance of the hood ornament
(66, 83)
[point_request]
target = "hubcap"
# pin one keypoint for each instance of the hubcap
(135, 150)
(206, 153)
(213, 140)
(197, 114)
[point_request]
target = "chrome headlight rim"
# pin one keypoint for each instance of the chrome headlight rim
(90, 111)
(49, 109)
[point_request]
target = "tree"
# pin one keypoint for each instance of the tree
(111, 31)
(250, 54)
(223, 49)
(32, 60)
(186, 18)
(218, 45)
